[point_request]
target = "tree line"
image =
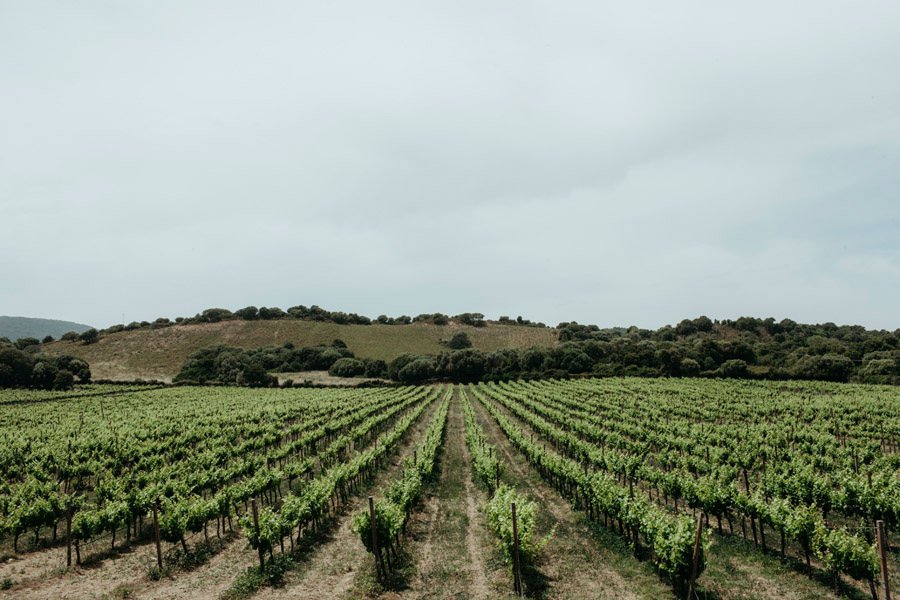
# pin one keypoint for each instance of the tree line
(22, 368)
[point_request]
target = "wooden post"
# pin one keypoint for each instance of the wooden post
(159, 561)
(259, 548)
(696, 557)
(68, 536)
(882, 555)
(374, 538)
(517, 570)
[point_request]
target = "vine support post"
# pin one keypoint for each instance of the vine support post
(259, 548)
(517, 567)
(882, 556)
(159, 560)
(374, 537)
(68, 536)
(696, 557)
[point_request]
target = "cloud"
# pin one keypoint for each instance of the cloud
(626, 163)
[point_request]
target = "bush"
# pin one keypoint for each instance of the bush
(828, 367)
(347, 367)
(64, 380)
(375, 368)
(689, 367)
(27, 342)
(417, 371)
(43, 375)
(734, 368)
(459, 341)
(90, 336)
(248, 313)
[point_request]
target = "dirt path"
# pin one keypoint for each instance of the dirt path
(95, 579)
(330, 570)
(449, 540)
(206, 582)
(579, 562)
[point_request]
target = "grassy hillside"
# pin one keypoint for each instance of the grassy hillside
(159, 353)
(19, 327)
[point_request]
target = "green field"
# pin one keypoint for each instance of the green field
(610, 476)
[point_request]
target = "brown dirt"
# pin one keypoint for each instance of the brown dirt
(94, 580)
(206, 582)
(477, 546)
(438, 540)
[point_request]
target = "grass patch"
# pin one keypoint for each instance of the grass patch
(252, 580)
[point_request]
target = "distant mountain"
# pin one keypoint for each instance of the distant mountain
(19, 327)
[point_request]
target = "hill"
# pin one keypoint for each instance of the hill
(14, 328)
(159, 353)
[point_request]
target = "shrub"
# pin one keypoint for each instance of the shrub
(828, 367)
(347, 367)
(64, 380)
(459, 341)
(734, 368)
(27, 342)
(417, 371)
(90, 336)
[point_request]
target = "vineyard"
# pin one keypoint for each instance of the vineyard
(587, 488)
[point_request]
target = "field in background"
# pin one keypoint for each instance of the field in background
(159, 353)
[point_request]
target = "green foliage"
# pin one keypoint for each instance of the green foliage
(827, 367)
(459, 340)
(237, 366)
(392, 512)
(90, 336)
(347, 367)
(499, 519)
(417, 371)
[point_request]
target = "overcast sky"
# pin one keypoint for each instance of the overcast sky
(608, 162)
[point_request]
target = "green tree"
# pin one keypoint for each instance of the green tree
(459, 341)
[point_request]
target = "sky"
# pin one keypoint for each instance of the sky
(617, 163)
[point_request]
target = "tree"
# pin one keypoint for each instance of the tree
(828, 367)
(466, 365)
(213, 315)
(47, 339)
(64, 380)
(734, 368)
(375, 367)
(78, 367)
(27, 342)
(397, 365)
(90, 336)
(417, 371)
(19, 366)
(689, 367)
(248, 313)
(347, 367)
(43, 375)
(459, 341)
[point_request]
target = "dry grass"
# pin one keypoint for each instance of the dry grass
(159, 353)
